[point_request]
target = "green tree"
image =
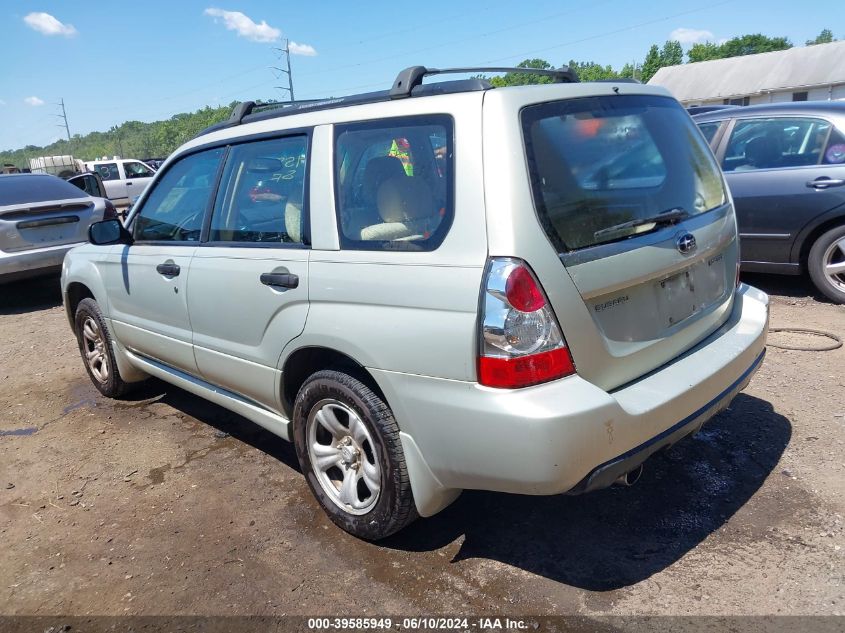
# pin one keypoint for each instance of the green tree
(825, 37)
(703, 52)
(753, 44)
(631, 71)
(737, 47)
(672, 54)
(132, 139)
(591, 71)
(651, 64)
(522, 79)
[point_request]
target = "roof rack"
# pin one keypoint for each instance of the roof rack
(407, 84)
(412, 76)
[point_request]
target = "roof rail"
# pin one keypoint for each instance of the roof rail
(408, 83)
(412, 76)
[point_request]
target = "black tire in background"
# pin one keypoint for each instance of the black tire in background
(394, 507)
(90, 325)
(819, 255)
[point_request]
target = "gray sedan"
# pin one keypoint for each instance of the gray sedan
(785, 166)
(41, 218)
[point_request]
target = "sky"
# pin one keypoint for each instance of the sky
(116, 61)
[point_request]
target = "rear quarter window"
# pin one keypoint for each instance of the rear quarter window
(394, 180)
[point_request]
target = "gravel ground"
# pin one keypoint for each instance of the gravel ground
(165, 504)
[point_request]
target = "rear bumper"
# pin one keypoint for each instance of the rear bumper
(604, 475)
(31, 263)
(568, 435)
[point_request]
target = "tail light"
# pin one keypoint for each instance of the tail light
(109, 213)
(521, 342)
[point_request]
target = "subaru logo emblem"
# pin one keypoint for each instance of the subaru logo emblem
(686, 243)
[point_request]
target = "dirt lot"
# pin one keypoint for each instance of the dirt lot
(165, 504)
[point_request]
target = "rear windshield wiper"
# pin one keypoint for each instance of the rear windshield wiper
(666, 217)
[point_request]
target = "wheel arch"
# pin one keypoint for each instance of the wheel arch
(304, 361)
(76, 291)
(808, 236)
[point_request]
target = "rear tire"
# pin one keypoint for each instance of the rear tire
(349, 449)
(827, 257)
(95, 347)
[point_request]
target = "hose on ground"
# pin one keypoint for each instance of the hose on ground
(836, 344)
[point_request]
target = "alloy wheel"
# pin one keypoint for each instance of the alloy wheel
(343, 456)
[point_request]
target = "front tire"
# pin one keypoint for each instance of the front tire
(348, 446)
(95, 346)
(826, 264)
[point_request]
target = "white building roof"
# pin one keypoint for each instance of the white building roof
(794, 68)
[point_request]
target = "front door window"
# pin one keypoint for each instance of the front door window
(175, 208)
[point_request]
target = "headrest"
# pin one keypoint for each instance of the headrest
(293, 215)
(401, 199)
(380, 169)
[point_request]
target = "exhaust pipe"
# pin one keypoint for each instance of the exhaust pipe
(631, 477)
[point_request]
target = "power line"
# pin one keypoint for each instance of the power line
(607, 33)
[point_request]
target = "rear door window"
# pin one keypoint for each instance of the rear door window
(600, 162)
(108, 171)
(394, 183)
(709, 130)
(261, 194)
(834, 153)
(775, 142)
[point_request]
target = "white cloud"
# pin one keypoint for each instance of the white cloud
(33, 101)
(302, 49)
(691, 36)
(243, 24)
(48, 25)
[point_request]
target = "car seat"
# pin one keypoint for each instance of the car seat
(407, 210)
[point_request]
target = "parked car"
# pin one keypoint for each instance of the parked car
(155, 163)
(701, 109)
(785, 166)
(41, 218)
(90, 182)
(438, 291)
(125, 179)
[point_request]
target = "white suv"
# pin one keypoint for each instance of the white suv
(436, 287)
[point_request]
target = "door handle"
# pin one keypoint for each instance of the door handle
(280, 280)
(168, 270)
(824, 182)
(128, 182)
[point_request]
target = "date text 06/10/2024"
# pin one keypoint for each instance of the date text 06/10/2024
(419, 623)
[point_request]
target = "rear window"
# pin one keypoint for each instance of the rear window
(600, 162)
(24, 189)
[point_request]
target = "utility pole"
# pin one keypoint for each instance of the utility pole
(282, 71)
(63, 116)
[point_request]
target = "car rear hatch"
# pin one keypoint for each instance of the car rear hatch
(633, 203)
(42, 211)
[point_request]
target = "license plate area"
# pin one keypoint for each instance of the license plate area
(677, 297)
(685, 293)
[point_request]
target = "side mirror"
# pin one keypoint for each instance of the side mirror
(109, 232)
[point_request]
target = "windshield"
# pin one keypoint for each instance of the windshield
(26, 188)
(600, 162)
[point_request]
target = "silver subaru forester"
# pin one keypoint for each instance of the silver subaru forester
(435, 287)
